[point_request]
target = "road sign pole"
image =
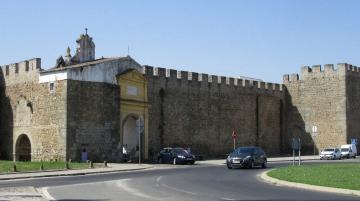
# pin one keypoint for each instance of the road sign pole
(139, 141)
(299, 153)
(234, 143)
(293, 156)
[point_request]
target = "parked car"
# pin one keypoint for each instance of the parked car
(348, 151)
(176, 156)
(247, 157)
(330, 153)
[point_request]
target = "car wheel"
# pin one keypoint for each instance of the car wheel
(192, 162)
(251, 166)
(175, 161)
(264, 165)
(228, 166)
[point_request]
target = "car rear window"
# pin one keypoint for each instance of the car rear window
(344, 149)
(328, 149)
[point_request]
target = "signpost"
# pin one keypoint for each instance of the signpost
(140, 129)
(234, 135)
(296, 145)
(314, 135)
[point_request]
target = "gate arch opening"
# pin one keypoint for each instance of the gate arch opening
(23, 148)
(130, 137)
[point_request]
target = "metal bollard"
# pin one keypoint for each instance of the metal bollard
(91, 165)
(66, 166)
(105, 163)
(41, 167)
(14, 169)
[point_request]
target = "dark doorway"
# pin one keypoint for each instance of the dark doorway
(23, 148)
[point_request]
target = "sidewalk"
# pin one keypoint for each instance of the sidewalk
(112, 167)
(115, 167)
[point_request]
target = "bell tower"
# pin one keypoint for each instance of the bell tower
(85, 50)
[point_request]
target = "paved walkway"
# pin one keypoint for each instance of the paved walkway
(115, 167)
(112, 167)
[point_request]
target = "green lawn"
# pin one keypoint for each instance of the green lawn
(6, 166)
(332, 175)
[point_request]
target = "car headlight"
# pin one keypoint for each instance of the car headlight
(181, 156)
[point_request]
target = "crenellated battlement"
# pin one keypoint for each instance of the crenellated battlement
(322, 71)
(23, 71)
(186, 76)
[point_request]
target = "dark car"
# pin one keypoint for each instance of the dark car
(247, 157)
(176, 156)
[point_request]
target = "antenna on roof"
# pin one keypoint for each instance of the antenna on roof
(86, 31)
(128, 50)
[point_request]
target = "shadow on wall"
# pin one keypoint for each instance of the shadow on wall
(6, 122)
(295, 128)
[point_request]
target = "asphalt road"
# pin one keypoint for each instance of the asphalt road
(199, 182)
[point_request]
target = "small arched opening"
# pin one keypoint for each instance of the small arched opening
(23, 148)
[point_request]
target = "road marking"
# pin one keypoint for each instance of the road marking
(228, 199)
(122, 184)
(44, 192)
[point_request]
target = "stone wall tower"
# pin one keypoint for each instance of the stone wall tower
(85, 50)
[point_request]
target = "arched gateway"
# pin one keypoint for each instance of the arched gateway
(134, 109)
(23, 148)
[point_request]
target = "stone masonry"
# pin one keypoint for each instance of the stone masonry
(76, 106)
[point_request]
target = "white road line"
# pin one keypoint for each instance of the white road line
(122, 184)
(44, 192)
(173, 188)
(228, 199)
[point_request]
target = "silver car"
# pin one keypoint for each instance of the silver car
(330, 153)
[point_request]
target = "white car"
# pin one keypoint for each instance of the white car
(348, 151)
(330, 153)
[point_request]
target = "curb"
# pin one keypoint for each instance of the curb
(278, 182)
(72, 174)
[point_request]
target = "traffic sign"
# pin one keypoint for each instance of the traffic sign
(296, 144)
(314, 129)
(233, 135)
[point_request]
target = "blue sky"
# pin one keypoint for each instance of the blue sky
(261, 39)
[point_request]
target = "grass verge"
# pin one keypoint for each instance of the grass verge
(331, 175)
(7, 166)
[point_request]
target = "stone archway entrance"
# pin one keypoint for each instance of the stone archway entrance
(23, 148)
(130, 137)
(133, 105)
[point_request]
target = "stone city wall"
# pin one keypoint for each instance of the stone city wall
(93, 121)
(318, 97)
(30, 108)
(200, 111)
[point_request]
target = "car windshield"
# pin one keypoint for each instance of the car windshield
(328, 149)
(180, 151)
(345, 149)
(244, 150)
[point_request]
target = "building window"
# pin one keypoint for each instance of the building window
(51, 86)
(16, 68)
